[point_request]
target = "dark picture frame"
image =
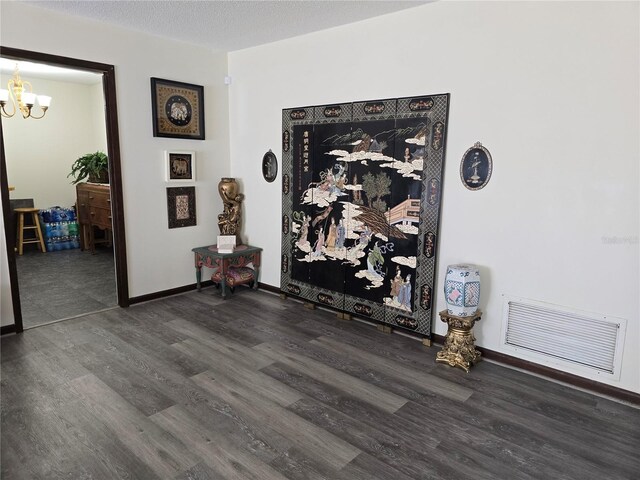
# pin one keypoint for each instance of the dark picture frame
(476, 167)
(181, 206)
(178, 109)
(180, 166)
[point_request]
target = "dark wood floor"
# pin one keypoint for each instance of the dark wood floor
(65, 283)
(191, 387)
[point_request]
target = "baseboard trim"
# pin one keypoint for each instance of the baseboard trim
(188, 288)
(6, 329)
(568, 378)
(269, 288)
(168, 293)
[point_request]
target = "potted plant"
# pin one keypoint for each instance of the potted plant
(92, 166)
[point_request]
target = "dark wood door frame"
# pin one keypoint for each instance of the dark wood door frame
(115, 176)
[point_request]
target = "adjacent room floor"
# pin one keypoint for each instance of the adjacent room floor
(64, 284)
(256, 387)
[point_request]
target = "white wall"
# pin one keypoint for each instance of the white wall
(40, 152)
(550, 88)
(158, 258)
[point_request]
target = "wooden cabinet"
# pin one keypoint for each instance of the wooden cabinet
(94, 210)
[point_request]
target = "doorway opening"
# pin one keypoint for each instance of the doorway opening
(66, 281)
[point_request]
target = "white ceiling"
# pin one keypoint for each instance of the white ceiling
(222, 25)
(227, 25)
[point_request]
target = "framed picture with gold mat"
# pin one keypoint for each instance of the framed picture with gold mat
(178, 109)
(180, 166)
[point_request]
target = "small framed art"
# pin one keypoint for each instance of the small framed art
(476, 167)
(178, 109)
(181, 205)
(180, 166)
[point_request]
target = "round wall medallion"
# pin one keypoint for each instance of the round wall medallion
(269, 166)
(476, 167)
(178, 110)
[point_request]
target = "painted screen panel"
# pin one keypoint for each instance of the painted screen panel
(361, 201)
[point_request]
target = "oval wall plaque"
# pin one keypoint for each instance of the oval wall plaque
(269, 166)
(476, 167)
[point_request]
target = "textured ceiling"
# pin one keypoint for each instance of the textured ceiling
(227, 25)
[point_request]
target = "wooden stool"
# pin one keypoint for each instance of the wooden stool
(22, 228)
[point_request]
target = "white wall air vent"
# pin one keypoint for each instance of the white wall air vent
(581, 343)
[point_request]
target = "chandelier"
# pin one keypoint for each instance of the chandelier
(21, 95)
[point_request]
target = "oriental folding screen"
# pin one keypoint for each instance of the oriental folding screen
(361, 190)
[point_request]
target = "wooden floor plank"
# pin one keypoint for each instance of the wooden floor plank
(405, 350)
(165, 387)
(393, 368)
(15, 347)
(94, 444)
(294, 464)
(567, 405)
(280, 327)
(39, 446)
(118, 374)
(226, 460)
(246, 380)
(356, 387)
(495, 435)
(162, 452)
(152, 317)
(402, 431)
(148, 370)
(325, 446)
(368, 467)
(412, 460)
(154, 339)
(613, 451)
(201, 471)
(216, 344)
(68, 438)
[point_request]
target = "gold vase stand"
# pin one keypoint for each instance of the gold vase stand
(459, 345)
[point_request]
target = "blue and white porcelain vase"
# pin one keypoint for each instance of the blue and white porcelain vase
(462, 290)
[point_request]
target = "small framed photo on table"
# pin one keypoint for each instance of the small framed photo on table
(181, 205)
(178, 109)
(180, 166)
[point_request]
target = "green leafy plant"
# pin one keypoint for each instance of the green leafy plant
(92, 166)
